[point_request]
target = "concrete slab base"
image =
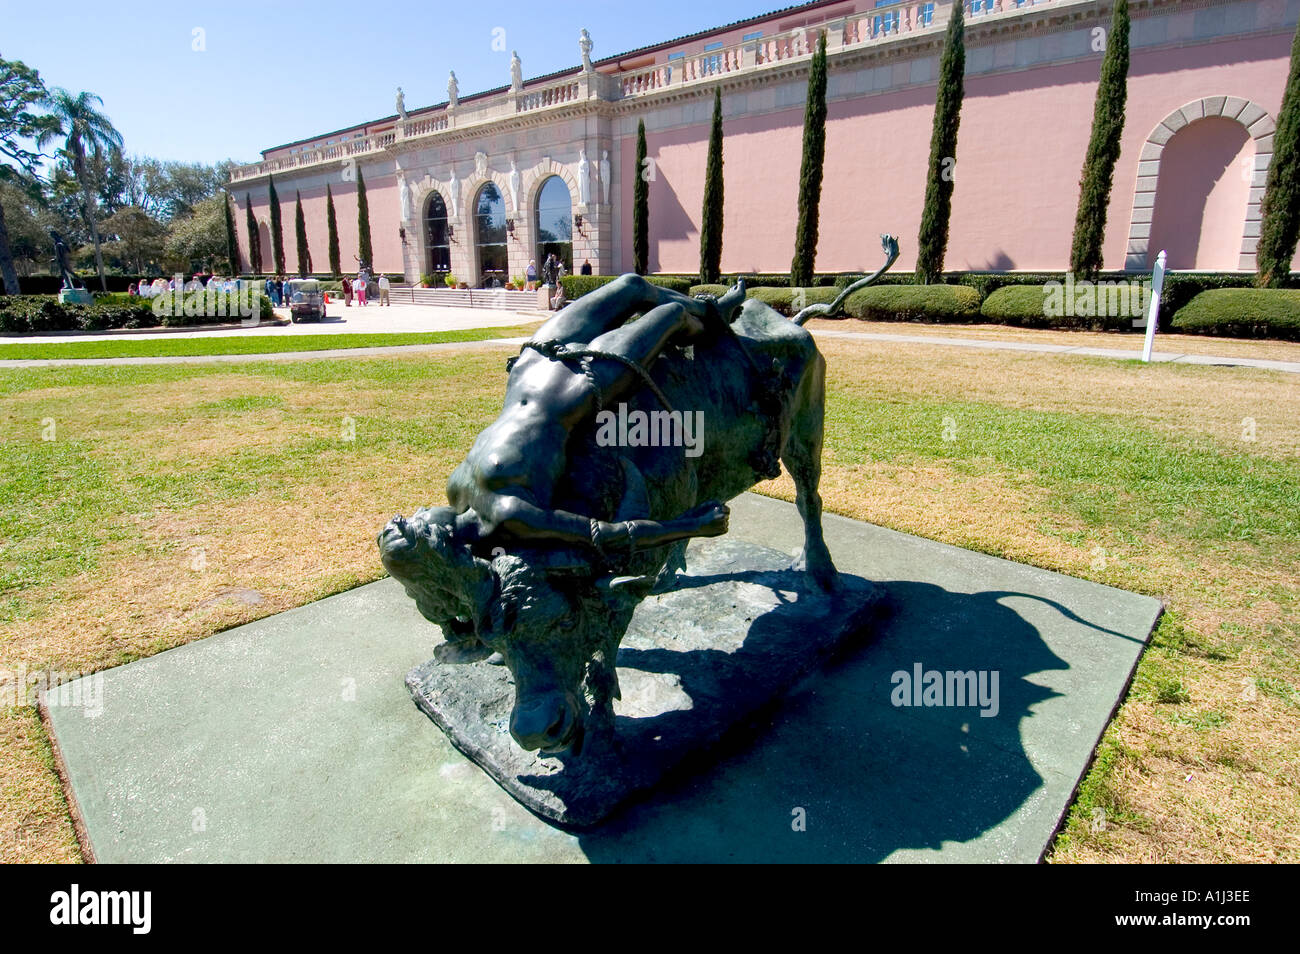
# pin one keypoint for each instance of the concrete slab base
(735, 633)
(293, 738)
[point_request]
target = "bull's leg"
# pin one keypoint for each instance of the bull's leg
(803, 458)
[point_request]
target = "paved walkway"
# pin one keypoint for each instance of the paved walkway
(484, 318)
(274, 356)
(339, 320)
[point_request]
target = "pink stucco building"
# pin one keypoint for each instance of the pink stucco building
(484, 183)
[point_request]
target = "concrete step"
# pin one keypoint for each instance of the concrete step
(495, 298)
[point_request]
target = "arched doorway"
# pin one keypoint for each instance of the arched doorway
(555, 223)
(490, 235)
(1201, 195)
(438, 254)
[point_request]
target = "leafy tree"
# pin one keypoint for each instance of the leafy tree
(140, 238)
(167, 190)
(21, 91)
(810, 171)
(232, 246)
(89, 135)
(932, 243)
(1103, 149)
(332, 225)
(27, 223)
(254, 237)
(1280, 229)
(277, 233)
(300, 233)
(364, 251)
(641, 205)
(200, 238)
(711, 218)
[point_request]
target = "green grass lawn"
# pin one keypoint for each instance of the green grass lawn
(115, 480)
(144, 347)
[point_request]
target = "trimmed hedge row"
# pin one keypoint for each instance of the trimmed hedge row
(936, 303)
(1242, 312)
(37, 313)
(788, 301)
(1037, 306)
(575, 286)
(25, 314)
(1233, 306)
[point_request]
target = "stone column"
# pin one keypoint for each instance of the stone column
(412, 257)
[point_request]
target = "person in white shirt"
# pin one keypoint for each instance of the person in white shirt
(383, 290)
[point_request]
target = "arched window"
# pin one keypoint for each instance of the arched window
(490, 234)
(435, 235)
(555, 223)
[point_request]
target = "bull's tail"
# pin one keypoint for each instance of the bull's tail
(890, 244)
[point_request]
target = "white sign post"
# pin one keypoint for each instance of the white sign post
(1153, 310)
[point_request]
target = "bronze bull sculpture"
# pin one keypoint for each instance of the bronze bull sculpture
(559, 523)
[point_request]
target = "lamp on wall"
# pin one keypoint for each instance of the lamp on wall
(577, 225)
(451, 234)
(401, 231)
(510, 227)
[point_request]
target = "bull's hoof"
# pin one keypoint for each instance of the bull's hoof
(820, 568)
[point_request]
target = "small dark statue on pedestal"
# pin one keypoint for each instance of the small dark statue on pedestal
(556, 531)
(61, 260)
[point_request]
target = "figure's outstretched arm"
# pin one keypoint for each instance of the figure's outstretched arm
(611, 305)
(525, 522)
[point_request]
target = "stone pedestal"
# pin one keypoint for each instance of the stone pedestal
(738, 630)
(295, 739)
(75, 296)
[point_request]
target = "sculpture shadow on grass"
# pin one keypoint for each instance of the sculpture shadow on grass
(868, 778)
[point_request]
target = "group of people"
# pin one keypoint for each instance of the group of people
(162, 286)
(552, 271)
(360, 286)
(277, 287)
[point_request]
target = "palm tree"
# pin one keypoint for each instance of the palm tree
(88, 133)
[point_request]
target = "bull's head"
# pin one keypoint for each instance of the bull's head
(556, 628)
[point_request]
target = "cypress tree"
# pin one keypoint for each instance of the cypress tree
(254, 237)
(711, 218)
(232, 246)
(277, 233)
(1103, 149)
(363, 222)
(641, 206)
(332, 225)
(300, 233)
(810, 171)
(1281, 208)
(932, 243)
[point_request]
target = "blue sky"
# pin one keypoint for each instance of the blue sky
(275, 72)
